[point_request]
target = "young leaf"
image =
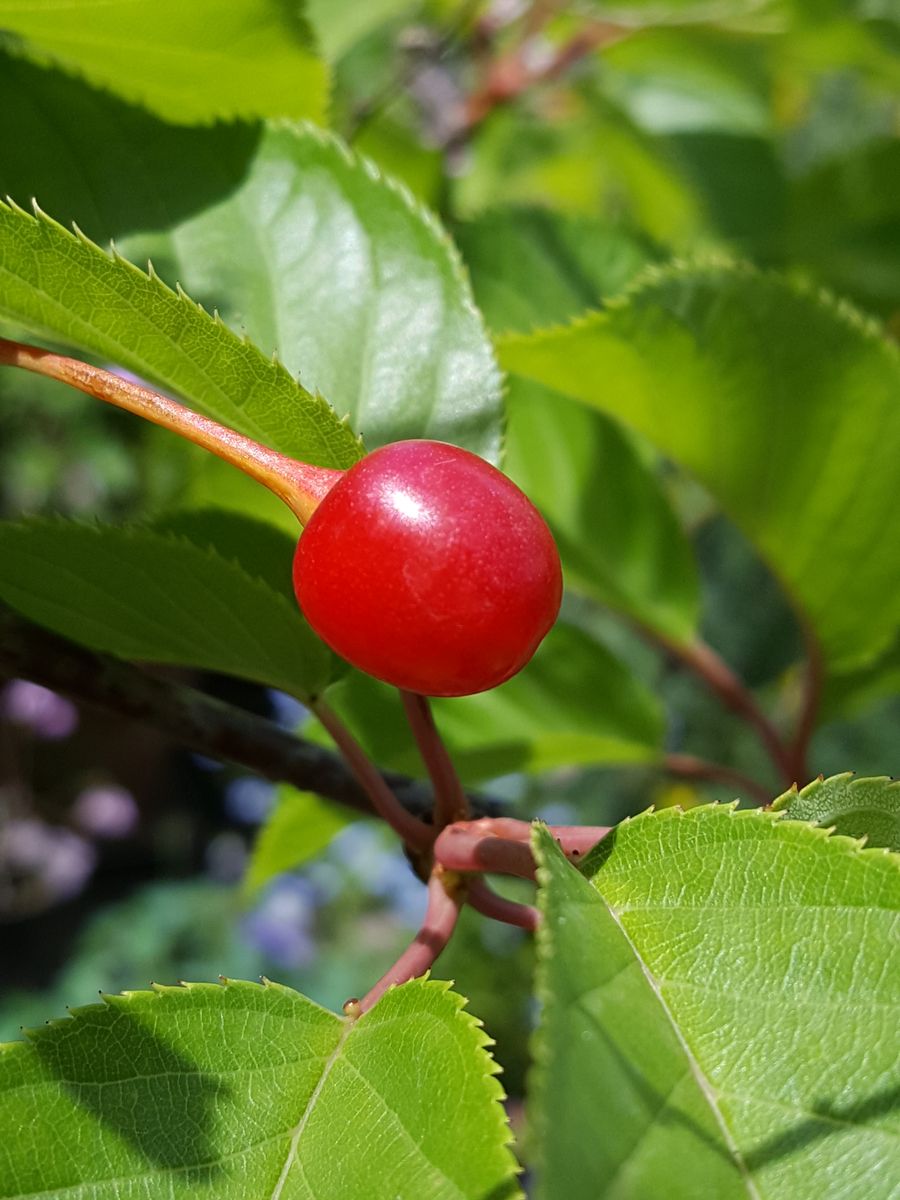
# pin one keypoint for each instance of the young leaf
(619, 540)
(573, 703)
(858, 808)
(723, 369)
(188, 62)
(242, 1091)
(56, 283)
(159, 597)
(721, 995)
(299, 827)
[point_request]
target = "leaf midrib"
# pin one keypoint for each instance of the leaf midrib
(706, 1088)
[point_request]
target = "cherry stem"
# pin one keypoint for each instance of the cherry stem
(688, 766)
(485, 900)
(299, 485)
(450, 801)
(446, 893)
(502, 845)
(413, 832)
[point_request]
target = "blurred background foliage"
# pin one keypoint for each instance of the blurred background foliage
(565, 147)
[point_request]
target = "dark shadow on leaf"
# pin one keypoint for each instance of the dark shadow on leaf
(502, 1191)
(129, 1079)
(656, 1103)
(150, 176)
(826, 1120)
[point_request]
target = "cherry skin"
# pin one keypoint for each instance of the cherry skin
(429, 569)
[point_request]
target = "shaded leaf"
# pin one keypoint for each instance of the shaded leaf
(724, 370)
(857, 808)
(721, 993)
(619, 540)
(533, 266)
(159, 597)
(299, 826)
(199, 1089)
(188, 62)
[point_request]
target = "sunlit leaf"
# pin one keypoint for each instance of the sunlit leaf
(187, 62)
(725, 370)
(243, 1091)
(721, 995)
(857, 808)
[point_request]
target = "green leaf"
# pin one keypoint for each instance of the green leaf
(188, 62)
(296, 242)
(532, 267)
(721, 996)
(244, 1091)
(341, 23)
(56, 283)
(724, 370)
(857, 808)
(619, 540)
(358, 289)
(573, 704)
(159, 597)
(299, 827)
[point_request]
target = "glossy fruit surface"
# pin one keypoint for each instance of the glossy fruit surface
(428, 568)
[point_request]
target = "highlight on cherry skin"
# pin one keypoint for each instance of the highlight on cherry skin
(422, 564)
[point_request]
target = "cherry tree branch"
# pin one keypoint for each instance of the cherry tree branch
(486, 901)
(193, 719)
(450, 801)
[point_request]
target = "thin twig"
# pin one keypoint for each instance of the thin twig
(513, 73)
(414, 833)
(812, 696)
(193, 719)
(450, 801)
(446, 893)
(486, 901)
(734, 694)
(688, 766)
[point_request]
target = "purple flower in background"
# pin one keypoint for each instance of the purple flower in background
(106, 811)
(226, 857)
(281, 927)
(57, 858)
(249, 800)
(45, 713)
(288, 712)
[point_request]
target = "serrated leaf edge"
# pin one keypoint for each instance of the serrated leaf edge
(315, 404)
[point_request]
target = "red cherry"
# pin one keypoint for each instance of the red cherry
(429, 569)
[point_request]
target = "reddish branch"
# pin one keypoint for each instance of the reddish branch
(450, 801)
(446, 892)
(511, 74)
(688, 766)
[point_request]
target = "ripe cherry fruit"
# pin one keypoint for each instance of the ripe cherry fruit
(429, 569)
(422, 564)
